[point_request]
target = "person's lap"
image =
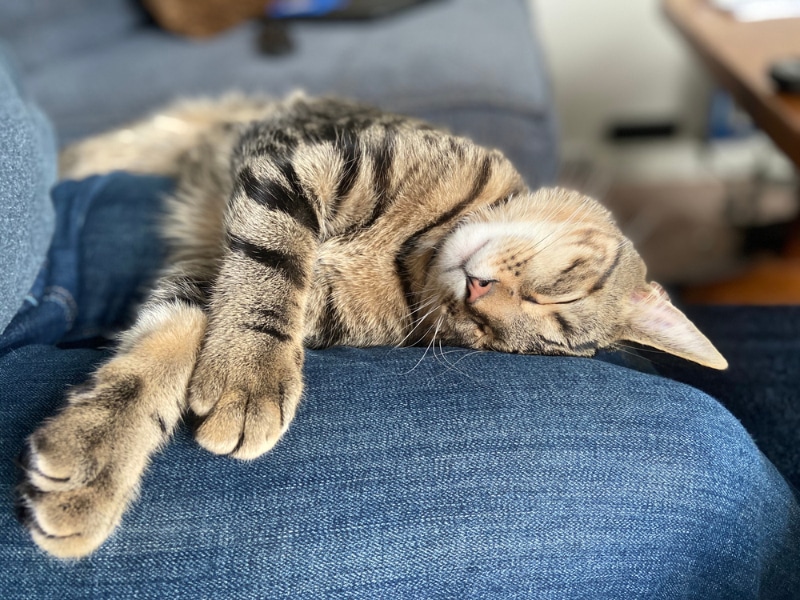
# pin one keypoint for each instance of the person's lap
(561, 477)
(406, 473)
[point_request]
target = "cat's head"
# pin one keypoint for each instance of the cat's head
(550, 273)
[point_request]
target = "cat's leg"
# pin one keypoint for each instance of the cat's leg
(155, 143)
(248, 379)
(83, 466)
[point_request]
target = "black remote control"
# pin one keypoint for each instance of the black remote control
(786, 74)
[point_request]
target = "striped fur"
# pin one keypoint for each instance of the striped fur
(311, 223)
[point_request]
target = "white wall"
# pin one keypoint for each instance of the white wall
(614, 60)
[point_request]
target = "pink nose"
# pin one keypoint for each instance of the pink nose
(477, 288)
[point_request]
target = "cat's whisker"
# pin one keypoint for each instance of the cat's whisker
(466, 354)
(451, 366)
(423, 304)
(419, 322)
(429, 346)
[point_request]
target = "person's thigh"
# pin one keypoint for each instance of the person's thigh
(104, 252)
(467, 475)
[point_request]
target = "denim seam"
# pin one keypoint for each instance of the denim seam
(62, 297)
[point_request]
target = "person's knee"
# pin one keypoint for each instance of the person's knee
(728, 516)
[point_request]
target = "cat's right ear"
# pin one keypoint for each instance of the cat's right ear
(654, 321)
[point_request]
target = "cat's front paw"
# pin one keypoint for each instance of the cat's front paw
(244, 405)
(77, 481)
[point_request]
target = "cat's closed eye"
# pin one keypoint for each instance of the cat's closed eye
(547, 301)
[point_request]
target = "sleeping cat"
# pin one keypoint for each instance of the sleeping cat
(317, 222)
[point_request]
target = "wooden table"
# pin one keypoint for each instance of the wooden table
(739, 56)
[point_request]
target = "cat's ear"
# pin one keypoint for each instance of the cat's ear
(654, 321)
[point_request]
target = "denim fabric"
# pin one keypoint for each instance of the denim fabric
(103, 251)
(762, 345)
(404, 477)
(466, 475)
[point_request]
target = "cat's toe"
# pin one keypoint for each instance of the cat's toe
(243, 425)
(73, 523)
(55, 460)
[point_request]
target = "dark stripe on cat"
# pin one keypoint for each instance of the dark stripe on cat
(240, 441)
(349, 147)
(584, 347)
(263, 140)
(604, 277)
(289, 266)
(268, 313)
(274, 195)
(192, 292)
(575, 264)
(333, 327)
(305, 212)
(270, 331)
(121, 392)
(505, 199)
(566, 327)
(281, 402)
(568, 275)
(482, 178)
(382, 162)
(159, 420)
(282, 138)
(457, 148)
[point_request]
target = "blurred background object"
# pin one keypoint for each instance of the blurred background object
(204, 18)
(701, 190)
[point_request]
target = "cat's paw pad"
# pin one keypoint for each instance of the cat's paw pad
(243, 420)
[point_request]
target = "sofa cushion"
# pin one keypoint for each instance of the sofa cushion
(468, 64)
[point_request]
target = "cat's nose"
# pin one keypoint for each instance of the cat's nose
(477, 288)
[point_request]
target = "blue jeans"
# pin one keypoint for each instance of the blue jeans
(461, 475)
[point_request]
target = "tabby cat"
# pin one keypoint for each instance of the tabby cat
(317, 222)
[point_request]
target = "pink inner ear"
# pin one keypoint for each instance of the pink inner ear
(655, 312)
(660, 291)
(654, 294)
(655, 322)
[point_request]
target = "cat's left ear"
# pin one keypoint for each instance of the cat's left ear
(654, 321)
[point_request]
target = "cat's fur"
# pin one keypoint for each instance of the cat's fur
(319, 222)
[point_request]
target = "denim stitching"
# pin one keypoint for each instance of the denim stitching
(63, 298)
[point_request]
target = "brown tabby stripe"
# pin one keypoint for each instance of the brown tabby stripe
(333, 327)
(382, 161)
(188, 290)
(274, 195)
(583, 347)
(502, 201)
(604, 277)
(159, 421)
(289, 266)
(268, 313)
(282, 402)
(566, 327)
(270, 331)
(480, 182)
(349, 147)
